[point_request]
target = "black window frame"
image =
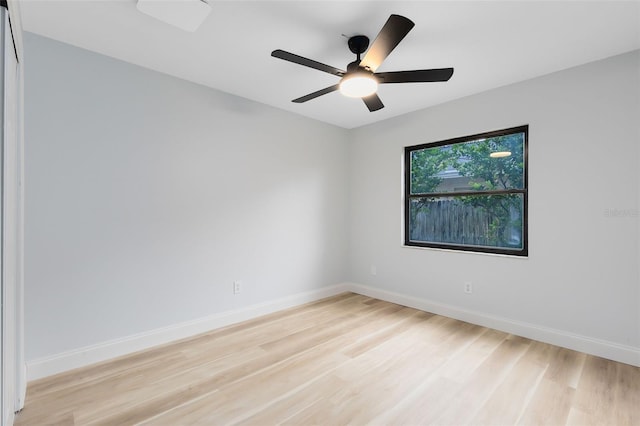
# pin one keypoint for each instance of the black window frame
(461, 247)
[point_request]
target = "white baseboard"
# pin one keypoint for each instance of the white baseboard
(602, 348)
(81, 357)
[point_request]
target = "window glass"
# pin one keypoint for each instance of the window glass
(468, 193)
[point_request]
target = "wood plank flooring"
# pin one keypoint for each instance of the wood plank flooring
(348, 359)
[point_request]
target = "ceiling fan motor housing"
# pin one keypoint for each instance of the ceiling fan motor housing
(355, 67)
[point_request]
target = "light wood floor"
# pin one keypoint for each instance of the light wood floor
(346, 359)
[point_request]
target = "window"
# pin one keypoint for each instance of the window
(468, 193)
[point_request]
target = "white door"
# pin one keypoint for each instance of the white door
(10, 204)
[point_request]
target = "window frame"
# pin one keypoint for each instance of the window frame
(461, 247)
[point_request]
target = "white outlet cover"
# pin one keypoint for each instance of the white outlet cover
(187, 15)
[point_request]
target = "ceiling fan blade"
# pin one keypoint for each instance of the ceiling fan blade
(392, 33)
(316, 94)
(373, 102)
(416, 76)
(287, 56)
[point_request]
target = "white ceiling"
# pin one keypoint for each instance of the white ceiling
(489, 43)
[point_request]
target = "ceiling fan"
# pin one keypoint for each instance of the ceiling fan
(361, 80)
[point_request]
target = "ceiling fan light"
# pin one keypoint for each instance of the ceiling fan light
(358, 85)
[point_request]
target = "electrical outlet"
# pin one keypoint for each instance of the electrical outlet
(237, 287)
(468, 287)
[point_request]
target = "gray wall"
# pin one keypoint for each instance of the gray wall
(147, 196)
(581, 275)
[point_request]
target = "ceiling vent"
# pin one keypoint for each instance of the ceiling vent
(184, 14)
